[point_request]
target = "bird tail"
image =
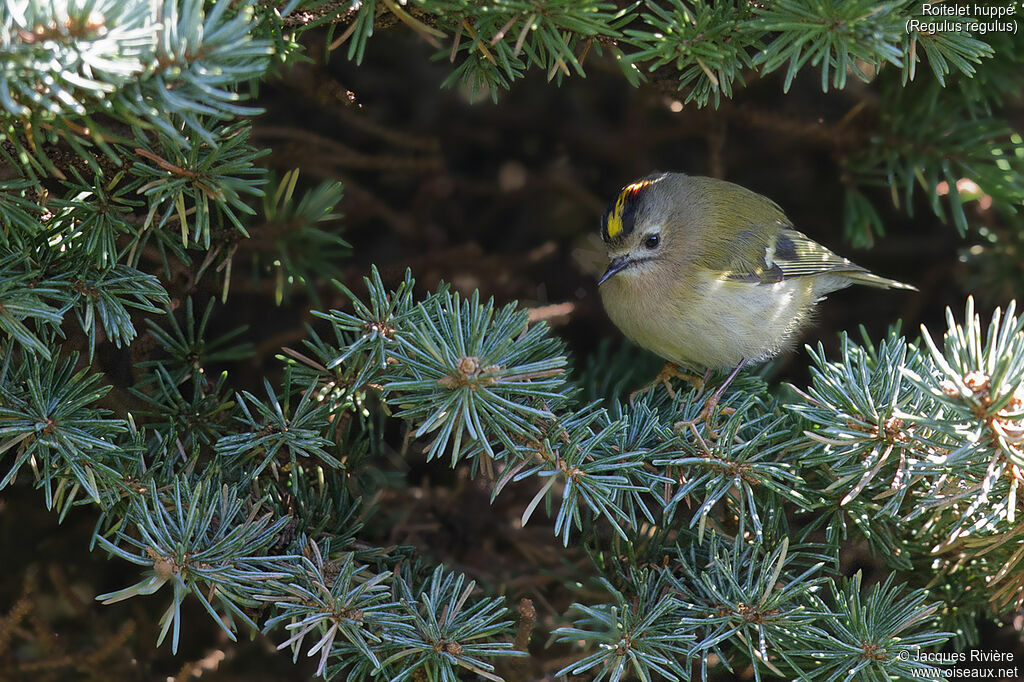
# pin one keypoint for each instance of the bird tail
(872, 280)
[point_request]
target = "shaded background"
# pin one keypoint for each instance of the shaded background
(507, 197)
(502, 197)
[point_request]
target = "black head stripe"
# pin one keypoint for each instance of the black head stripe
(620, 217)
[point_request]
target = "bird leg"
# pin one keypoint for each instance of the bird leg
(671, 371)
(710, 404)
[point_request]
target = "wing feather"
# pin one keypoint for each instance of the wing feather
(800, 256)
(766, 249)
(766, 257)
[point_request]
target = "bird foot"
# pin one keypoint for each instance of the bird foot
(705, 415)
(710, 404)
(668, 372)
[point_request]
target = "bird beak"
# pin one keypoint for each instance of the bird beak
(617, 264)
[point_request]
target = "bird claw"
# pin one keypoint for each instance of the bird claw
(705, 415)
(707, 411)
(668, 372)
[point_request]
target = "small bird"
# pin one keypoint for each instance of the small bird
(708, 274)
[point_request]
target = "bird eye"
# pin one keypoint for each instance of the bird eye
(652, 241)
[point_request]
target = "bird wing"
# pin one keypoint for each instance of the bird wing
(766, 257)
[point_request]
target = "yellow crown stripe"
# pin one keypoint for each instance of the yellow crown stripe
(614, 224)
(615, 217)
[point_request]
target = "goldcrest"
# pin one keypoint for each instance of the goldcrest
(708, 274)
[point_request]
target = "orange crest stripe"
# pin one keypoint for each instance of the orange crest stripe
(614, 225)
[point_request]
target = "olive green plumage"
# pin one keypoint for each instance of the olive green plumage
(708, 274)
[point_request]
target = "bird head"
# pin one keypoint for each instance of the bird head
(640, 225)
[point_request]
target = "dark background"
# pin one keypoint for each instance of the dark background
(502, 197)
(507, 197)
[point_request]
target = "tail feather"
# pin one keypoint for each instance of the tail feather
(872, 280)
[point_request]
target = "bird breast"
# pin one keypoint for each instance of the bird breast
(710, 322)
